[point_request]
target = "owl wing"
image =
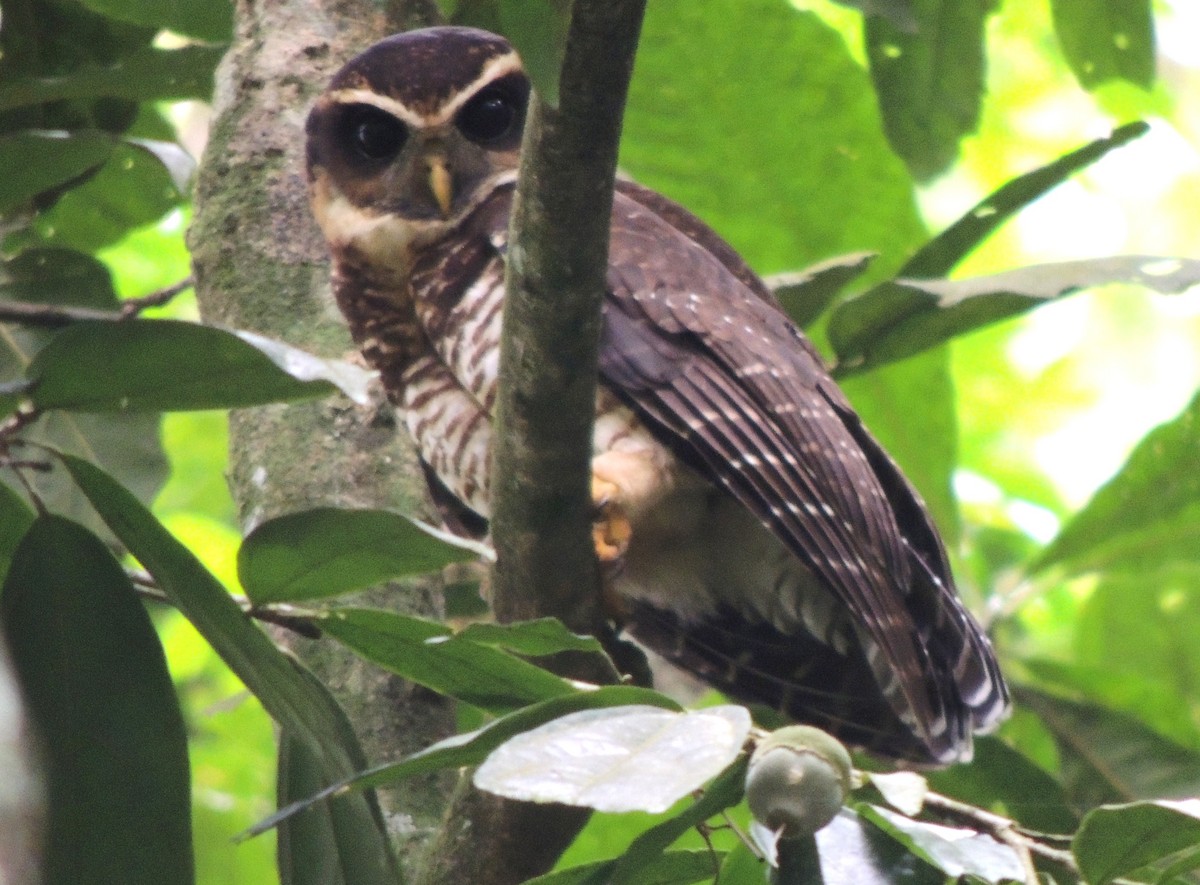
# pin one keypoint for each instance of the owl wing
(711, 363)
(695, 344)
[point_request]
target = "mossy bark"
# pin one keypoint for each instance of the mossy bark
(261, 264)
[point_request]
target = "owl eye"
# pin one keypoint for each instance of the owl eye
(489, 116)
(375, 134)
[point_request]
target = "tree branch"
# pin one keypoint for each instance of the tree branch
(541, 501)
(557, 264)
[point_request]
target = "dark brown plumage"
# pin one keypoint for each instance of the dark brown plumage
(776, 550)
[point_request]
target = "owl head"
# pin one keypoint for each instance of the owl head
(411, 133)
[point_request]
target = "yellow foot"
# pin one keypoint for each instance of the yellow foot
(611, 530)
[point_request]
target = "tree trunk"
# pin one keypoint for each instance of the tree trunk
(261, 265)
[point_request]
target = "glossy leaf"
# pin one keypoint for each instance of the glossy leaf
(619, 759)
(1115, 840)
(1147, 514)
(1112, 757)
(325, 551)
(919, 314)
(146, 75)
(158, 365)
(426, 653)
(953, 850)
(293, 698)
(47, 160)
(929, 80)
(472, 748)
(1104, 41)
(645, 850)
(853, 852)
(99, 694)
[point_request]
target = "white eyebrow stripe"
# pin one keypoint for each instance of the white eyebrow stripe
(498, 67)
(494, 69)
(389, 105)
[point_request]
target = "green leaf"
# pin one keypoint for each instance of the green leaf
(1000, 775)
(929, 80)
(941, 254)
(907, 316)
(99, 694)
(899, 12)
(537, 638)
(1111, 757)
(853, 852)
(954, 851)
(857, 324)
(293, 698)
(426, 653)
(47, 160)
(645, 850)
(325, 551)
(15, 520)
(472, 748)
(538, 31)
(669, 868)
(125, 445)
(1103, 40)
(1116, 840)
(1147, 514)
(11, 394)
(147, 74)
(806, 294)
(132, 189)
(323, 846)
(618, 759)
(158, 365)
(210, 20)
(775, 149)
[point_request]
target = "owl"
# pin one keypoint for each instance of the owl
(762, 539)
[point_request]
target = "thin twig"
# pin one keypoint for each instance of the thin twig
(296, 620)
(1007, 831)
(55, 316)
(134, 306)
(50, 316)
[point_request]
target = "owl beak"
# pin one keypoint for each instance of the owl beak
(440, 184)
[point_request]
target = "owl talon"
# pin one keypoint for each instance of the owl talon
(611, 530)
